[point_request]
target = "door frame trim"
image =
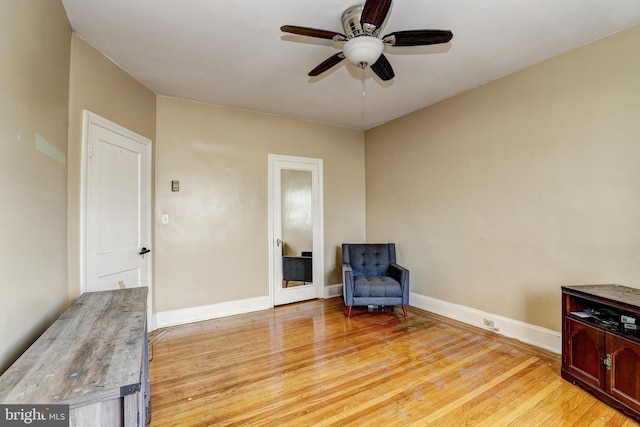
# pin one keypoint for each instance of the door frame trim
(318, 221)
(90, 119)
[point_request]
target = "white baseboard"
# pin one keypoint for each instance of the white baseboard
(331, 291)
(167, 318)
(525, 332)
(213, 311)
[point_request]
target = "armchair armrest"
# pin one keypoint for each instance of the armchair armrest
(397, 271)
(400, 274)
(347, 284)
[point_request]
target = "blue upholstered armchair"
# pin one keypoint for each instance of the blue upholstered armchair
(370, 276)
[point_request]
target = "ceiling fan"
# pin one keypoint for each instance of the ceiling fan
(362, 45)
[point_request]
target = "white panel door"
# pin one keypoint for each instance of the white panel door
(118, 240)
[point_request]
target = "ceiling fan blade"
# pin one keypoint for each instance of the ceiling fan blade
(383, 68)
(328, 63)
(374, 13)
(417, 37)
(313, 32)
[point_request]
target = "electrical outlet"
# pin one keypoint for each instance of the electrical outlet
(488, 323)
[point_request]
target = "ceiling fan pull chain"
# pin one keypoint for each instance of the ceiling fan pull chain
(364, 88)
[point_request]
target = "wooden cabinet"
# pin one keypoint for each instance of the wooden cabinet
(623, 379)
(584, 353)
(601, 343)
(94, 358)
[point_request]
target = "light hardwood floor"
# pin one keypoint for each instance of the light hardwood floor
(307, 364)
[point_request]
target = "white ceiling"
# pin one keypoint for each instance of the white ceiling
(232, 53)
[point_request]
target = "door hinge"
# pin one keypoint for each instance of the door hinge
(90, 150)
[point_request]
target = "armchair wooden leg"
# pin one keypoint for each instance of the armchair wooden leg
(404, 310)
(349, 310)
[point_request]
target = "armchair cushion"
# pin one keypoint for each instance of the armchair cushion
(376, 286)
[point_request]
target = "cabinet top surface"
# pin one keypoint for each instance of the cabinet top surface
(619, 293)
(90, 353)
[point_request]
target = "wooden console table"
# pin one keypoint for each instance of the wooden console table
(601, 343)
(93, 358)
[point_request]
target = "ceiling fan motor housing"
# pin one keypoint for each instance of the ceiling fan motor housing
(351, 23)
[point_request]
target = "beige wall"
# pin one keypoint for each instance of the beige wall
(500, 195)
(34, 76)
(100, 86)
(215, 247)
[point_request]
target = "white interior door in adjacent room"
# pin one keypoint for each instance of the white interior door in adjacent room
(295, 228)
(117, 206)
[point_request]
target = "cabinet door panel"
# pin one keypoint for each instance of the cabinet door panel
(623, 381)
(584, 354)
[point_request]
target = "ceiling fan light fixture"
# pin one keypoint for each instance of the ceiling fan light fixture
(363, 50)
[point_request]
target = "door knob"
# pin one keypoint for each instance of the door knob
(144, 251)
